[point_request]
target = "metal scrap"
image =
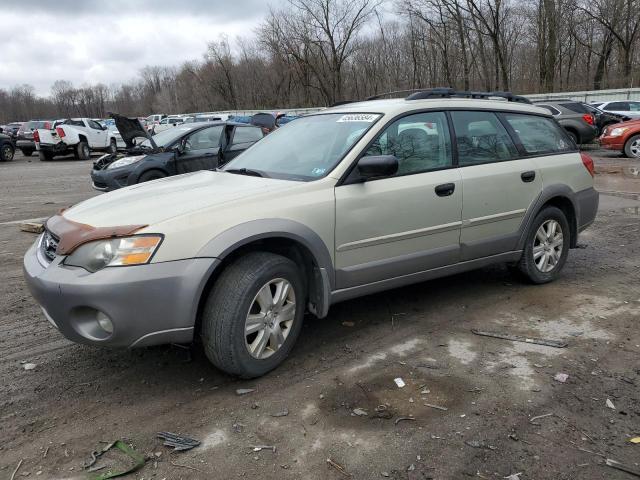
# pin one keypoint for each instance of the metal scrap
(178, 442)
(401, 419)
(338, 467)
(437, 407)
(258, 448)
(519, 338)
(531, 420)
(619, 466)
(244, 391)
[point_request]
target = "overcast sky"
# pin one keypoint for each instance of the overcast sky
(108, 41)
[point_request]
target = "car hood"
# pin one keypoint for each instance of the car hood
(629, 123)
(131, 128)
(153, 202)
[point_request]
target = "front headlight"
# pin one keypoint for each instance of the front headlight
(616, 132)
(94, 256)
(123, 162)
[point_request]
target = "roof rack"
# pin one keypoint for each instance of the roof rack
(445, 92)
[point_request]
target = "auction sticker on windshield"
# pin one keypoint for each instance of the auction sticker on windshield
(359, 117)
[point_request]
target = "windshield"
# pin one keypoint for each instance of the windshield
(167, 137)
(306, 149)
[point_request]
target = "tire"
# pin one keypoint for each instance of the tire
(82, 150)
(573, 136)
(151, 175)
(234, 297)
(632, 147)
(45, 156)
(26, 152)
(6, 152)
(533, 268)
(113, 146)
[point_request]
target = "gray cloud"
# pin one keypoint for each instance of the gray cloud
(109, 41)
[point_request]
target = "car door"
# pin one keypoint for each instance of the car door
(406, 223)
(499, 184)
(97, 135)
(200, 150)
(241, 137)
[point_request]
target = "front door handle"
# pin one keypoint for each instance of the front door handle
(445, 189)
(529, 176)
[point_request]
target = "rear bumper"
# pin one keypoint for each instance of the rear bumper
(146, 304)
(59, 147)
(587, 203)
(29, 144)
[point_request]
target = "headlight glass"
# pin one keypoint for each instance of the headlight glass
(94, 256)
(123, 162)
(616, 132)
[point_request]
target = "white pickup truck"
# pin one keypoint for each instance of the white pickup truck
(75, 135)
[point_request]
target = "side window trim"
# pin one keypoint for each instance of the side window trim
(344, 180)
(524, 153)
(512, 133)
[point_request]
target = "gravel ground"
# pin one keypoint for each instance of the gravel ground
(53, 416)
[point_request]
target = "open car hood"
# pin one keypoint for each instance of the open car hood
(130, 129)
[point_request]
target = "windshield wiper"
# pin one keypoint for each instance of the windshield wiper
(245, 171)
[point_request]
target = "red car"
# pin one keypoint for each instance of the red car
(624, 137)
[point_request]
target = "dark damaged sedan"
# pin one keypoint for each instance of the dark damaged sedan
(182, 149)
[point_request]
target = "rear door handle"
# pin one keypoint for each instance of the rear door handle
(529, 176)
(445, 189)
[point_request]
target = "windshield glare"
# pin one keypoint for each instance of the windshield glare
(167, 137)
(306, 149)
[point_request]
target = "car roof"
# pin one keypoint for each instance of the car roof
(396, 106)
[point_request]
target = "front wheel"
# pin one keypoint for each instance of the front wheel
(6, 152)
(253, 314)
(632, 147)
(113, 146)
(547, 246)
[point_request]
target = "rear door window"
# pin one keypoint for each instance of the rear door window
(619, 106)
(246, 134)
(575, 107)
(554, 111)
(481, 138)
(538, 135)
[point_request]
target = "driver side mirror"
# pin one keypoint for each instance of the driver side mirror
(376, 166)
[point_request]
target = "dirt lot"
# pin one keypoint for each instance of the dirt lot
(52, 417)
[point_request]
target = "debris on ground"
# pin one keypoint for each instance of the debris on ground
(437, 407)
(13, 475)
(348, 324)
(399, 382)
(382, 411)
(610, 404)
(259, 448)
(338, 467)
(619, 466)
(283, 413)
(29, 366)
(32, 227)
(517, 338)
(635, 440)
(178, 442)
(561, 377)
(402, 419)
(138, 461)
(513, 476)
(533, 419)
(478, 444)
(244, 391)
(360, 412)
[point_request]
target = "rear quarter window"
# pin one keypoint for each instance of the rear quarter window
(575, 107)
(538, 135)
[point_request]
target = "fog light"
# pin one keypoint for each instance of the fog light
(104, 322)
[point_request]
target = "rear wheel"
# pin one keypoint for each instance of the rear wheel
(151, 175)
(6, 152)
(632, 147)
(547, 246)
(573, 136)
(253, 314)
(45, 156)
(82, 151)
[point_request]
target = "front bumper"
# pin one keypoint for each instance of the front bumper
(108, 180)
(147, 304)
(611, 143)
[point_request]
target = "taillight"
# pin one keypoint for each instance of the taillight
(587, 117)
(587, 161)
(36, 136)
(60, 132)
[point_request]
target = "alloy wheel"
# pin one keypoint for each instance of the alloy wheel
(7, 153)
(634, 148)
(547, 246)
(270, 318)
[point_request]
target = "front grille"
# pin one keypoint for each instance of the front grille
(48, 246)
